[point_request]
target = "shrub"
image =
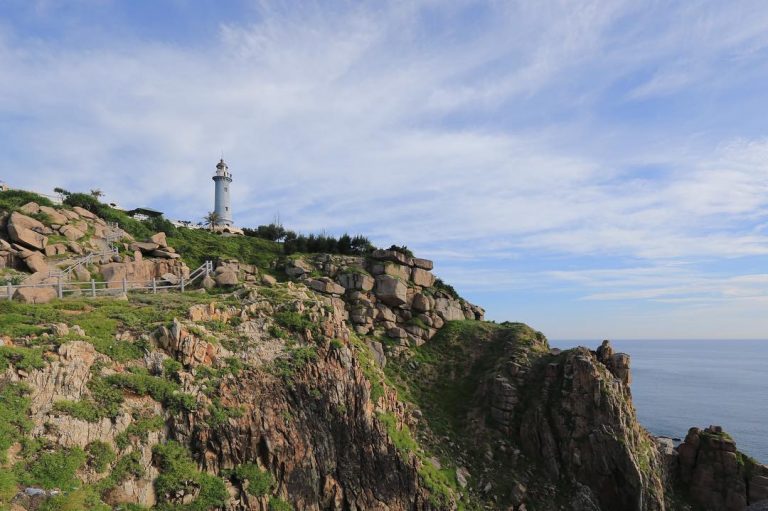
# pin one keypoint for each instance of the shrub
(166, 392)
(178, 474)
(260, 482)
(278, 504)
(78, 500)
(56, 469)
(100, 456)
(139, 429)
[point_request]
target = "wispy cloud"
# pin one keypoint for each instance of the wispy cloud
(487, 135)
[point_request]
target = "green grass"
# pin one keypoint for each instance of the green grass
(14, 420)
(26, 359)
(8, 487)
(198, 245)
(12, 200)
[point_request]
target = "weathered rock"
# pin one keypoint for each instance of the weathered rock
(54, 215)
(421, 303)
(397, 333)
(71, 215)
(392, 255)
(26, 231)
(297, 268)
(81, 274)
(391, 290)
(55, 249)
(71, 233)
(170, 278)
(30, 208)
(188, 348)
(166, 254)
(356, 281)
(84, 213)
(326, 285)
(226, 278)
(395, 270)
(716, 475)
(268, 280)
(35, 294)
(448, 309)
(378, 353)
(160, 239)
(208, 282)
(424, 264)
(422, 277)
(36, 262)
(145, 247)
(75, 248)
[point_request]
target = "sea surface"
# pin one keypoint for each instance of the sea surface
(680, 384)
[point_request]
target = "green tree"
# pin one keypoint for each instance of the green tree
(212, 219)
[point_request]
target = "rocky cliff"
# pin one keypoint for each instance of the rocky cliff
(321, 382)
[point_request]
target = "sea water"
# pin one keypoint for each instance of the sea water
(680, 384)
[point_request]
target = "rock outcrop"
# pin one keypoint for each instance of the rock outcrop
(389, 293)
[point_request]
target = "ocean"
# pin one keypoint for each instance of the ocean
(680, 384)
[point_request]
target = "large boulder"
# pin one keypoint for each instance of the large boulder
(449, 310)
(35, 294)
(297, 268)
(143, 246)
(71, 215)
(54, 215)
(165, 254)
(356, 281)
(71, 233)
(391, 290)
(424, 264)
(226, 277)
(55, 249)
(422, 277)
(30, 208)
(26, 231)
(393, 256)
(326, 285)
(36, 262)
(422, 303)
(160, 239)
(84, 213)
(389, 268)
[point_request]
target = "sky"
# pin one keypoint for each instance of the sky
(595, 168)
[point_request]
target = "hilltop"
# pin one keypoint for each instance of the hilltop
(308, 381)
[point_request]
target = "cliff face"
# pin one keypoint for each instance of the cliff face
(346, 383)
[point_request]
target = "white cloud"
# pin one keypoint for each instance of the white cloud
(482, 144)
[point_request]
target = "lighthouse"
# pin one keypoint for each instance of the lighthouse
(222, 204)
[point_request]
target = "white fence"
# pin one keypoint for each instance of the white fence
(99, 288)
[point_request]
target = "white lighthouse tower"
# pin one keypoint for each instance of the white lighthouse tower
(223, 205)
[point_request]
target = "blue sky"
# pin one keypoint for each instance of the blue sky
(598, 169)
